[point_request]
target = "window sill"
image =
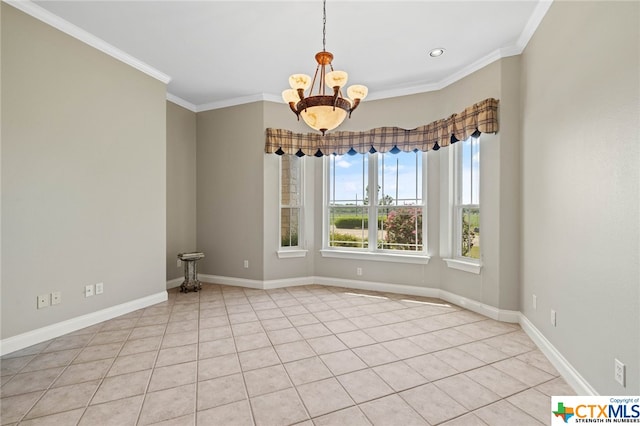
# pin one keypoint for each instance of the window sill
(288, 254)
(382, 257)
(462, 265)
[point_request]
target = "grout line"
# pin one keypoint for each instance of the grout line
(244, 381)
(197, 384)
(153, 367)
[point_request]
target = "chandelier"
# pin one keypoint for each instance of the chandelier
(322, 111)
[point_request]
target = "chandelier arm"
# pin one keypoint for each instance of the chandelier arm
(313, 83)
(339, 89)
(293, 108)
(356, 102)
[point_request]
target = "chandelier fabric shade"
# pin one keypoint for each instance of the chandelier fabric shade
(481, 117)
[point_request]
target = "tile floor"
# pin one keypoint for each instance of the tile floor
(310, 355)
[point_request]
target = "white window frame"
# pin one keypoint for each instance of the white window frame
(298, 250)
(458, 261)
(372, 252)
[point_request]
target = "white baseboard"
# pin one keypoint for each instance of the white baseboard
(288, 282)
(570, 374)
(33, 337)
(377, 286)
(237, 282)
(492, 312)
(174, 282)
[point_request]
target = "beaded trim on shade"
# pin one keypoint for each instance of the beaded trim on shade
(478, 118)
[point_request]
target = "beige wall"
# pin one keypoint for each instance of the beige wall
(230, 145)
(580, 187)
(83, 176)
(181, 186)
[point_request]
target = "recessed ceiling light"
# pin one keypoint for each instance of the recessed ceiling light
(436, 52)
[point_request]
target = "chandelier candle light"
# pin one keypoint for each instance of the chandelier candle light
(323, 111)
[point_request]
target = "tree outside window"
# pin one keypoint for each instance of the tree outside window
(467, 199)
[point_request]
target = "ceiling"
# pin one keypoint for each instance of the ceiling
(221, 53)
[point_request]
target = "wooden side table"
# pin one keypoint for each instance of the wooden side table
(191, 282)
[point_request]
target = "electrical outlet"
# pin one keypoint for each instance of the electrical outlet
(56, 297)
(88, 290)
(619, 373)
(534, 302)
(179, 263)
(553, 318)
(359, 272)
(246, 263)
(43, 301)
(99, 288)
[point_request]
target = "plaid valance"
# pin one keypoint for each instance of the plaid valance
(478, 118)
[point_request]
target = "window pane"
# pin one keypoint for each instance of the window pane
(470, 171)
(289, 226)
(475, 171)
(470, 226)
(291, 181)
(400, 179)
(348, 227)
(291, 200)
(348, 182)
(400, 228)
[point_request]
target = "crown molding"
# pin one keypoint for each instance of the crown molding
(78, 33)
(179, 101)
(532, 25)
(238, 101)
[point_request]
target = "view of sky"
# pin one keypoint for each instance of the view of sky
(400, 180)
(401, 177)
(470, 171)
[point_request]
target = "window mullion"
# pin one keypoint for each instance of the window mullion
(372, 212)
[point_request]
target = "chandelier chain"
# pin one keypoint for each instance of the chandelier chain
(324, 25)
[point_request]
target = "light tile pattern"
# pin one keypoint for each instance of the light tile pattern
(301, 355)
